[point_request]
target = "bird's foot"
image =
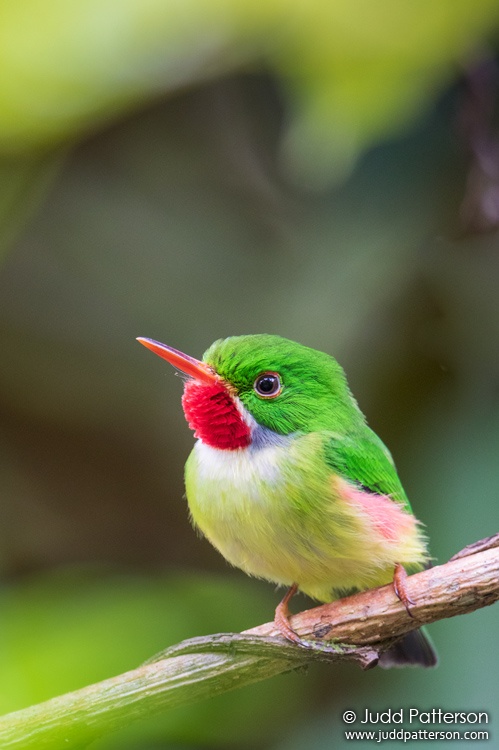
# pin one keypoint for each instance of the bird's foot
(400, 587)
(281, 617)
(364, 655)
(281, 621)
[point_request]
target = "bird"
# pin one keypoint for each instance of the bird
(289, 483)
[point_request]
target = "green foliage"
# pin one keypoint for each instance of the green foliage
(353, 72)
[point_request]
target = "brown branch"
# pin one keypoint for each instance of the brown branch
(203, 667)
(469, 580)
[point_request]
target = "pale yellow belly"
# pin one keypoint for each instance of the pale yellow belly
(275, 516)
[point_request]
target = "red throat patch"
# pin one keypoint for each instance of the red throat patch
(213, 415)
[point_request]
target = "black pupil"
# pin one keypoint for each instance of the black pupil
(267, 384)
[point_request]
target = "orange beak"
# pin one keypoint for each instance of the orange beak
(193, 367)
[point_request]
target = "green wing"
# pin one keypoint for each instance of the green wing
(365, 460)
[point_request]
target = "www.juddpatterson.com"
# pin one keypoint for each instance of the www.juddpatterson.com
(414, 718)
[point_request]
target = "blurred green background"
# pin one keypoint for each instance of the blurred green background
(327, 171)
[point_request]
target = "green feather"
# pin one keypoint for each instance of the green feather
(315, 393)
(365, 460)
(315, 398)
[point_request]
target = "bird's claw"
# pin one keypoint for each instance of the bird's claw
(400, 588)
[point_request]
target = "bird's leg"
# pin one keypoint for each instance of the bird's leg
(400, 587)
(325, 649)
(281, 617)
(322, 648)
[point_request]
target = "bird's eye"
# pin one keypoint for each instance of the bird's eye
(268, 385)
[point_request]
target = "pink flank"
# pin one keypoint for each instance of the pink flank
(386, 517)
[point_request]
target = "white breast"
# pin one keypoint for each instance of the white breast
(240, 469)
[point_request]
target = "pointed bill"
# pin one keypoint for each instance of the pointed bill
(193, 367)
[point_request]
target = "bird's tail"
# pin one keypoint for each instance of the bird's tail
(413, 650)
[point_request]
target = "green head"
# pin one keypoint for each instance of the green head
(246, 382)
(285, 386)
